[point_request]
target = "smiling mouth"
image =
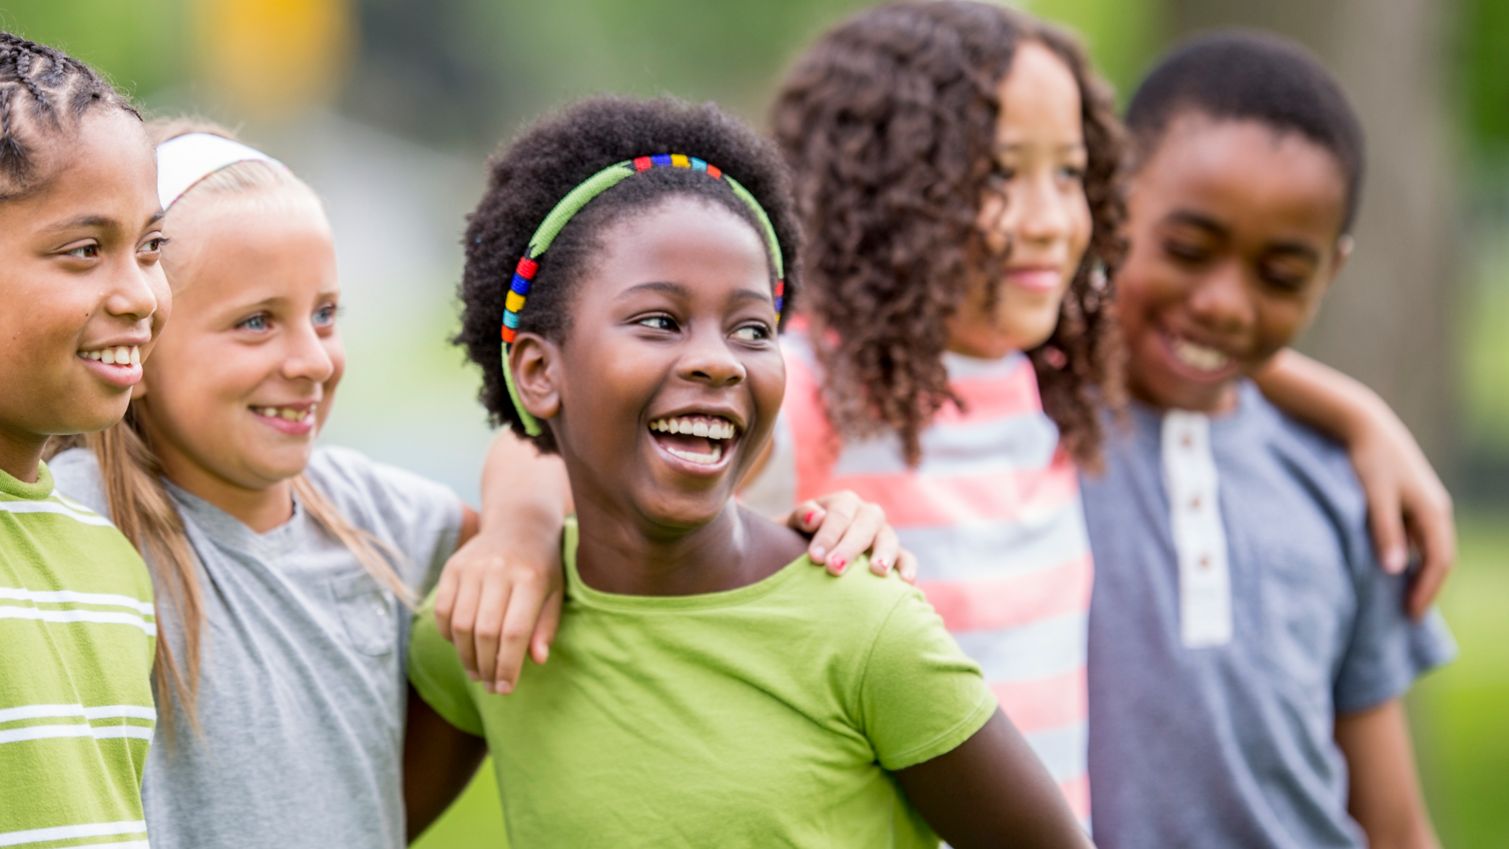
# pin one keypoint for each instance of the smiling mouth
(289, 414)
(1198, 357)
(700, 440)
(119, 355)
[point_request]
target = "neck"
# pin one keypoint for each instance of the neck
(640, 557)
(20, 453)
(259, 509)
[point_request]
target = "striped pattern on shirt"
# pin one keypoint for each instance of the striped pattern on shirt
(77, 633)
(994, 516)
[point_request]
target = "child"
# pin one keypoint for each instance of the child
(1246, 654)
(84, 298)
(707, 687)
(281, 562)
(957, 168)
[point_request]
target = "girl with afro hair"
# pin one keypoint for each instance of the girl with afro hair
(707, 686)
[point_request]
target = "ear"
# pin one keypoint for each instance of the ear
(1344, 245)
(535, 362)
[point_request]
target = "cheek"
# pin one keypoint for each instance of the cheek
(335, 349)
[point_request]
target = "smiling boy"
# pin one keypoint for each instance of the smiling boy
(1247, 657)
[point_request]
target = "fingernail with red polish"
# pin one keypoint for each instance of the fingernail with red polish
(839, 565)
(807, 519)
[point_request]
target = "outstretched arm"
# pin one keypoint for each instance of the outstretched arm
(1384, 794)
(1407, 503)
(992, 791)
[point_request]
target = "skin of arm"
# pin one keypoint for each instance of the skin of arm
(1384, 795)
(438, 762)
(1406, 500)
(992, 791)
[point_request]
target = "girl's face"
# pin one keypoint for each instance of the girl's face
(1034, 217)
(1233, 230)
(670, 376)
(83, 293)
(245, 375)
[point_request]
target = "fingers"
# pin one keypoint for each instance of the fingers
(524, 609)
(545, 629)
(863, 532)
(445, 602)
(884, 552)
(838, 514)
(906, 566)
(487, 634)
(1387, 525)
(1433, 530)
(464, 623)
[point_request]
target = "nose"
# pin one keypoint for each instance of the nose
(138, 293)
(709, 359)
(309, 355)
(1042, 209)
(1220, 301)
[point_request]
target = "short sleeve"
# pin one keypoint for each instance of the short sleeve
(1387, 650)
(436, 672)
(418, 517)
(920, 696)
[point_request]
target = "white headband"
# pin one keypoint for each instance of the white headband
(184, 160)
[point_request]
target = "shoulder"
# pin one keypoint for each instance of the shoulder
(355, 483)
(1304, 453)
(76, 475)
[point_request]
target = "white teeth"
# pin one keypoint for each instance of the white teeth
(121, 355)
(286, 413)
(1199, 356)
(711, 428)
(710, 458)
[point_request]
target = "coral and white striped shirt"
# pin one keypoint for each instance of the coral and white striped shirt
(993, 514)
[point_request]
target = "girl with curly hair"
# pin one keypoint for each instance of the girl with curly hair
(957, 166)
(701, 692)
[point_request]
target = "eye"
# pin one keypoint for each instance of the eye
(658, 321)
(755, 331)
(151, 248)
(256, 323)
(1000, 174)
(1185, 252)
(326, 315)
(1283, 281)
(1072, 173)
(88, 250)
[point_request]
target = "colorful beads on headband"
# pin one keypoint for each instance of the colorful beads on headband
(572, 203)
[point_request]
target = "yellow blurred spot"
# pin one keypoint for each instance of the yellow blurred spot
(273, 58)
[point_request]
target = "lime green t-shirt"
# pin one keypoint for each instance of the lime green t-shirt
(764, 716)
(77, 633)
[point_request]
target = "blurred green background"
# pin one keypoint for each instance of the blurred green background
(389, 108)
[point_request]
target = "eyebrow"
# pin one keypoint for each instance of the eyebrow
(681, 291)
(84, 222)
(1070, 147)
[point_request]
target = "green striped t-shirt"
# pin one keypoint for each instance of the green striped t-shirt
(76, 642)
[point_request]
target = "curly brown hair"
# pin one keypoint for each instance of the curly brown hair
(888, 123)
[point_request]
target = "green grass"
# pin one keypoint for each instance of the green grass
(1457, 713)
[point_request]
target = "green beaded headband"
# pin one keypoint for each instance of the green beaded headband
(571, 204)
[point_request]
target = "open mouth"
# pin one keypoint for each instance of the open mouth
(288, 414)
(119, 355)
(700, 440)
(1198, 358)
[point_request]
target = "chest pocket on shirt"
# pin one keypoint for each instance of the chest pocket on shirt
(367, 612)
(1306, 599)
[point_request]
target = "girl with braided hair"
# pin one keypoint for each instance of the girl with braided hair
(957, 168)
(84, 298)
(701, 691)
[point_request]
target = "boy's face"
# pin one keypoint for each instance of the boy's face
(1234, 233)
(669, 377)
(79, 277)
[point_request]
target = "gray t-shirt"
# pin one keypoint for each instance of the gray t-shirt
(1223, 644)
(302, 692)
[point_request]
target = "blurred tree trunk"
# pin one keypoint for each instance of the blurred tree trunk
(1389, 318)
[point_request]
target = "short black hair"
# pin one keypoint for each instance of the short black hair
(528, 177)
(43, 92)
(1256, 76)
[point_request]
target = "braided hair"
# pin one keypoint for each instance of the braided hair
(528, 178)
(43, 93)
(888, 123)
